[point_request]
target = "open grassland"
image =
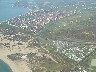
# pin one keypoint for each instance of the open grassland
(80, 26)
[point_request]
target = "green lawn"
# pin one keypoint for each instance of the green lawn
(93, 62)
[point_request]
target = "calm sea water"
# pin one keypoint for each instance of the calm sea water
(7, 11)
(4, 67)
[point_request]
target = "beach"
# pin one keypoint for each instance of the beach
(16, 66)
(20, 66)
(4, 67)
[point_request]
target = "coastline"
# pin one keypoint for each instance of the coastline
(16, 66)
(4, 67)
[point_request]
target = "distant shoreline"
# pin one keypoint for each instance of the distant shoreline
(7, 11)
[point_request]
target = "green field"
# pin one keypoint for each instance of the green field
(93, 62)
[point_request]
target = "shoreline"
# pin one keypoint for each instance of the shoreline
(15, 66)
(5, 65)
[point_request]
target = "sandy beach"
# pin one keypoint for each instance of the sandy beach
(16, 66)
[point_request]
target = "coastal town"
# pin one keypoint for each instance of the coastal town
(34, 21)
(53, 40)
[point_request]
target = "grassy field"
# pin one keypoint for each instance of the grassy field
(80, 26)
(93, 62)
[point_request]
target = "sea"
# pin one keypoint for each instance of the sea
(4, 67)
(8, 11)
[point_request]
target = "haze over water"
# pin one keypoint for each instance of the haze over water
(7, 11)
